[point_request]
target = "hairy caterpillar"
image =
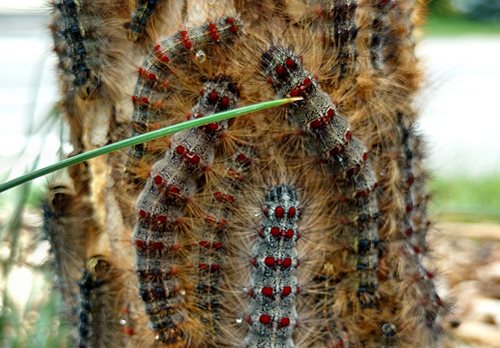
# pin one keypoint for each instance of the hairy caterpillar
(272, 313)
(69, 35)
(335, 20)
(416, 246)
(327, 134)
(379, 32)
(199, 214)
(99, 325)
(86, 45)
(154, 84)
(67, 224)
(158, 235)
(140, 18)
(214, 237)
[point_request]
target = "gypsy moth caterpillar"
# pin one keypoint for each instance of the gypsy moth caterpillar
(99, 304)
(67, 215)
(328, 136)
(86, 41)
(140, 18)
(69, 35)
(214, 236)
(158, 234)
(416, 246)
(272, 313)
(159, 72)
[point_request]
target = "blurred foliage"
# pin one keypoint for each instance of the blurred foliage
(466, 198)
(482, 10)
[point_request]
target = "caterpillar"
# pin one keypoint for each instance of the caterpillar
(214, 236)
(99, 325)
(380, 33)
(140, 18)
(69, 35)
(67, 223)
(416, 246)
(343, 33)
(159, 234)
(154, 84)
(86, 43)
(272, 313)
(327, 134)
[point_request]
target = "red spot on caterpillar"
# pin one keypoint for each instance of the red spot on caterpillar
(213, 32)
(224, 102)
(174, 190)
(267, 291)
(348, 135)
(275, 231)
(204, 243)
(180, 149)
(287, 290)
(213, 97)
(289, 233)
(287, 262)
(279, 212)
(217, 245)
(265, 319)
(250, 292)
(212, 127)
(193, 159)
(280, 70)
(269, 261)
(295, 92)
(185, 40)
(290, 63)
(139, 244)
(409, 207)
(129, 331)
(284, 322)
(158, 180)
(409, 232)
(291, 212)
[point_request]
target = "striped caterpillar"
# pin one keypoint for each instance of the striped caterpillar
(154, 85)
(158, 235)
(327, 134)
(271, 314)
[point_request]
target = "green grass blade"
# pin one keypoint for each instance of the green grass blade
(143, 138)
